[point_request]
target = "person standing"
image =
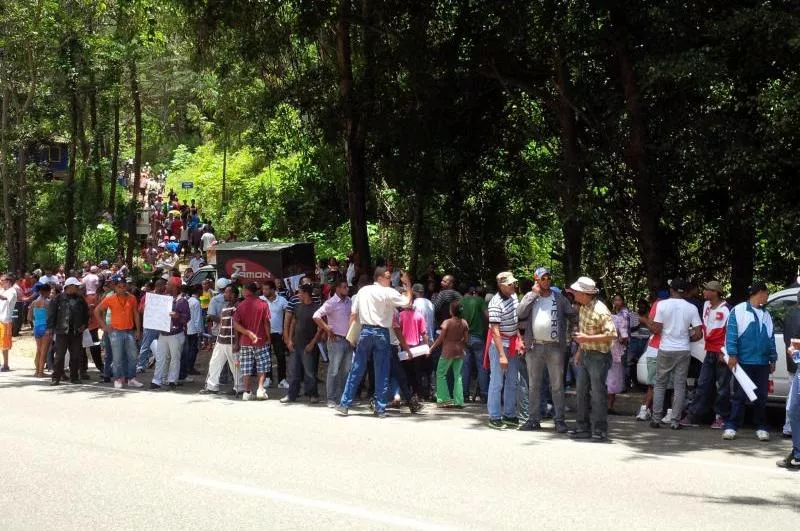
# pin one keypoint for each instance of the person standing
(475, 313)
(452, 341)
(715, 378)
(504, 343)
(792, 461)
(224, 347)
(415, 332)
(37, 315)
(149, 335)
(68, 317)
(678, 323)
(546, 314)
(251, 321)
(333, 318)
(791, 330)
(750, 342)
(373, 308)
(595, 333)
(170, 344)
(615, 382)
(8, 301)
(304, 333)
(194, 329)
(124, 330)
(277, 307)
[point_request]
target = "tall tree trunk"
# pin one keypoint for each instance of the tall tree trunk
(112, 196)
(8, 214)
(354, 136)
(224, 168)
(648, 190)
(137, 162)
(97, 140)
(22, 208)
(416, 234)
(741, 238)
(572, 177)
(69, 182)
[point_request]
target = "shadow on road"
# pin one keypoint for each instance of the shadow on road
(785, 500)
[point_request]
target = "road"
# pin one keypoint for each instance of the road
(89, 457)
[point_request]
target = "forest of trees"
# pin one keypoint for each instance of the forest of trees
(630, 141)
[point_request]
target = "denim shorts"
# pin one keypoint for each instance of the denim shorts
(254, 360)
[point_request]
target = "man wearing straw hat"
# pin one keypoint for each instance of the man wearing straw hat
(595, 333)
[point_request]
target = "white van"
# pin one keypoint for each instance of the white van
(778, 306)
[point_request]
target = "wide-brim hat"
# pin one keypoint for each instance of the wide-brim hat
(585, 285)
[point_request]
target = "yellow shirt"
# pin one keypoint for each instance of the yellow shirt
(595, 319)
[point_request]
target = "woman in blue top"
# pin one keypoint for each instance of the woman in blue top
(37, 314)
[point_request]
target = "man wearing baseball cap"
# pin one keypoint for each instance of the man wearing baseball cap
(545, 313)
(68, 317)
(503, 342)
(679, 324)
(596, 331)
(750, 342)
(715, 378)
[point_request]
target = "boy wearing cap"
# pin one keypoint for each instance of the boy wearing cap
(545, 312)
(596, 331)
(502, 344)
(715, 378)
(750, 342)
(679, 324)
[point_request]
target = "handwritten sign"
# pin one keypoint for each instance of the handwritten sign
(156, 312)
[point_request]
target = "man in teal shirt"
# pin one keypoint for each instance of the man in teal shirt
(474, 311)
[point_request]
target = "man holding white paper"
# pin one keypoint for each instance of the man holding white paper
(750, 342)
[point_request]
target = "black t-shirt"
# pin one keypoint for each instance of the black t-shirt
(304, 327)
(441, 306)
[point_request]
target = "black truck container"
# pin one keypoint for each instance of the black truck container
(259, 261)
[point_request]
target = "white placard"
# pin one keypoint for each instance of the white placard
(747, 384)
(156, 312)
(415, 352)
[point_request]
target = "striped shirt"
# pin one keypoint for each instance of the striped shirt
(503, 311)
(595, 319)
(226, 333)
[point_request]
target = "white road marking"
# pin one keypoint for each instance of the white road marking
(349, 510)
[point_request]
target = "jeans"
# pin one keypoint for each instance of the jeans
(549, 357)
(148, 336)
(373, 342)
(442, 389)
(108, 356)
(715, 378)
(73, 343)
(591, 389)
(168, 358)
(667, 362)
(123, 348)
(787, 425)
(340, 358)
(473, 359)
(505, 381)
(304, 369)
(189, 355)
(279, 349)
(760, 376)
(221, 355)
(397, 373)
(794, 414)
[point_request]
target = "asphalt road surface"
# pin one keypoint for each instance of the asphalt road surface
(89, 457)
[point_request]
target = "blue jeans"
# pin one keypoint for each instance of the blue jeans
(714, 379)
(123, 347)
(189, 355)
(473, 359)
(760, 376)
(794, 414)
(108, 356)
(148, 336)
(523, 393)
(304, 371)
(505, 381)
(340, 356)
(372, 343)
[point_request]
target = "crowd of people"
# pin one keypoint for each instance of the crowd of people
(390, 342)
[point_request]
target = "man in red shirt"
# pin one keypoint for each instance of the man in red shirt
(176, 227)
(251, 320)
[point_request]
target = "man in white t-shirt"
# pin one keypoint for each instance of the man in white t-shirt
(678, 322)
(90, 281)
(277, 305)
(207, 239)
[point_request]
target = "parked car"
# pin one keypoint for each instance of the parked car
(778, 305)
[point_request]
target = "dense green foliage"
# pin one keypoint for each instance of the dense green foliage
(628, 141)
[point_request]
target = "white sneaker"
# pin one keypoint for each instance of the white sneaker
(261, 394)
(188, 379)
(763, 435)
(668, 417)
(729, 435)
(644, 413)
(283, 384)
(247, 397)
(118, 384)
(267, 383)
(134, 383)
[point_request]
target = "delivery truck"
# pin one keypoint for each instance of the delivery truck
(258, 261)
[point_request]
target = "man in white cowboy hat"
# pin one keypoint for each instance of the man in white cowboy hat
(596, 331)
(503, 344)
